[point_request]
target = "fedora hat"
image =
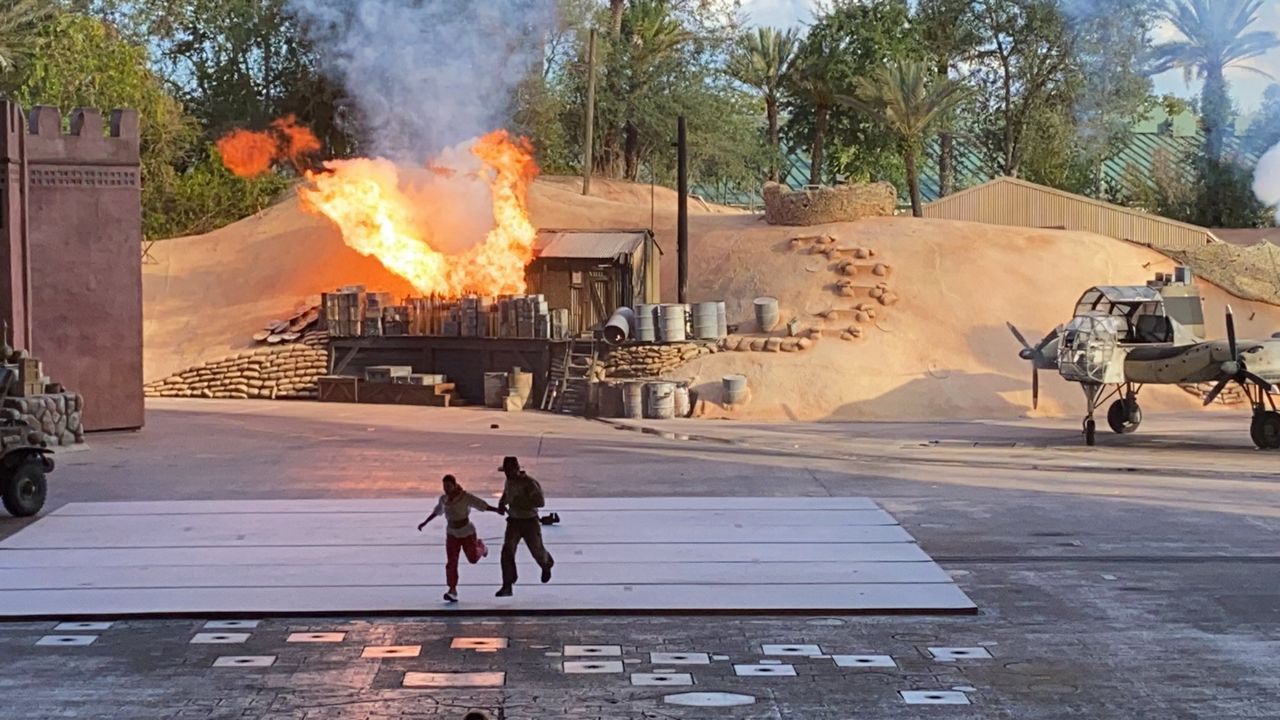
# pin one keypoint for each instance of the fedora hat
(510, 464)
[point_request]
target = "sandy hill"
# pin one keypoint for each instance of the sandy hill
(942, 351)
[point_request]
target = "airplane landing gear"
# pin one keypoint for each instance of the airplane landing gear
(1124, 416)
(1265, 430)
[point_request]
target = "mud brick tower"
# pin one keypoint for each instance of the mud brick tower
(70, 269)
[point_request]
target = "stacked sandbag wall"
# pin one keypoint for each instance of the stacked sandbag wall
(824, 205)
(272, 373)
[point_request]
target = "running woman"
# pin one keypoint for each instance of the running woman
(456, 505)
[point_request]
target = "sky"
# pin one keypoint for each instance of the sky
(1247, 88)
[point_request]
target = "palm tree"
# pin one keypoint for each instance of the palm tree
(902, 97)
(1216, 37)
(19, 26)
(764, 62)
(651, 35)
(815, 79)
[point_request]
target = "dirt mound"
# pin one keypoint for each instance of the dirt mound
(940, 351)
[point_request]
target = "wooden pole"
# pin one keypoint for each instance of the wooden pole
(588, 129)
(682, 212)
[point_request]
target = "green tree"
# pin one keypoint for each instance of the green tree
(81, 61)
(949, 31)
(1215, 37)
(763, 61)
(1024, 72)
(850, 39)
(902, 97)
(20, 24)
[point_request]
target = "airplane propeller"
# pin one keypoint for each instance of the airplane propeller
(1037, 358)
(1235, 369)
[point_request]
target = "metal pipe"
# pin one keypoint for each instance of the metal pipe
(682, 212)
(621, 326)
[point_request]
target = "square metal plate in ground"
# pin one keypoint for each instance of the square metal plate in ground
(71, 626)
(661, 679)
(316, 637)
(934, 697)
(245, 661)
(391, 651)
(68, 640)
(218, 638)
(689, 658)
(765, 670)
(454, 679)
(593, 651)
(478, 643)
(861, 661)
(232, 624)
(959, 653)
(795, 650)
(588, 667)
(709, 699)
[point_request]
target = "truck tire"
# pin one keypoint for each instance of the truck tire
(25, 489)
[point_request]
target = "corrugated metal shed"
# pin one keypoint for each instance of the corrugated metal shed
(1009, 201)
(589, 244)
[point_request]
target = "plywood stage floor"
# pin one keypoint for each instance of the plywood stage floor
(613, 555)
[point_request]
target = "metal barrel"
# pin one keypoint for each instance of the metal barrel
(735, 389)
(495, 389)
(706, 323)
(611, 400)
(660, 400)
(672, 324)
(620, 326)
(646, 323)
(722, 320)
(633, 400)
(766, 313)
(682, 404)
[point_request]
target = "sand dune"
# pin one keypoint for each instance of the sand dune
(941, 352)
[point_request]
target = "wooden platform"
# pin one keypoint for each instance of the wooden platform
(613, 555)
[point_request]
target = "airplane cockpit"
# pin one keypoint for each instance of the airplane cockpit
(1137, 313)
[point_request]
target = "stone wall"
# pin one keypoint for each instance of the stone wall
(274, 372)
(57, 417)
(823, 205)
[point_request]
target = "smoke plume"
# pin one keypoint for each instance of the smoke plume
(1266, 178)
(427, 74)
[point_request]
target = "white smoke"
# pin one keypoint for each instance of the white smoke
(1266, 178)
(427, 74)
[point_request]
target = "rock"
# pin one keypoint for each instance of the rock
(861, 253)
(861, 316)
(888, 298)
(876, 292)
(846, 335)
(880, 269)
(849, 269)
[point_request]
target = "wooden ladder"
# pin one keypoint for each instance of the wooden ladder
(569, 381)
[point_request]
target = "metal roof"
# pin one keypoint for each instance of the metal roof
(589, 244)
(1127, 293)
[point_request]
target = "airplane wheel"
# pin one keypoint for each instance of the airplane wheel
(1090, 433)
(1124, 418)
(1265, 430)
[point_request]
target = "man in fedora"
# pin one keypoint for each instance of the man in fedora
(521, 498)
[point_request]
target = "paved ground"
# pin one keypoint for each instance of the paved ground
(1137, 579)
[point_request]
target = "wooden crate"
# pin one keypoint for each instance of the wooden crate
(339, 388)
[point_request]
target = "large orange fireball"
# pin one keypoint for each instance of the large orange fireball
(377, 216)
(250, 153)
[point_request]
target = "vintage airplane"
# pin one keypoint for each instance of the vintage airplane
(1125, 337)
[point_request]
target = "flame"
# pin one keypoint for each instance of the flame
(250, 153)
(364, 197)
